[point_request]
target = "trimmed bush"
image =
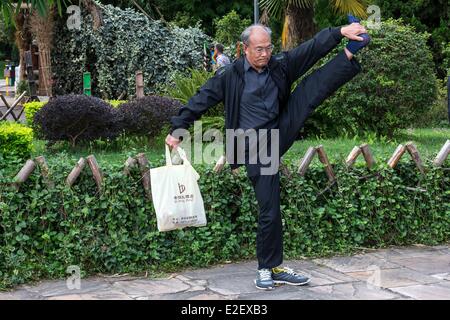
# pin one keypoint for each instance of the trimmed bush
(45, 230)
(147, 115)
(395, 88)
(30, 110)
(77, 118)
(15, 139)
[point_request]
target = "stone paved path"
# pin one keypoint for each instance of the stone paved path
(417, 272)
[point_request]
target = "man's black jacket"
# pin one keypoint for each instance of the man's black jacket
(228, 83)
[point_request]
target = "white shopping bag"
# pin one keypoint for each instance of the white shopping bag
(176, 195)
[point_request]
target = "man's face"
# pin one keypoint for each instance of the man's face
(259, 49)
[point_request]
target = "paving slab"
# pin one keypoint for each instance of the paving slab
(355, 291)
(146, 288)
(437, 291)
(391, 278)
(356, 263)
(58, 288)
(427, 264)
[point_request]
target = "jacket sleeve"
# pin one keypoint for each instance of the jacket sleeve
(210, 94)
(303, 57)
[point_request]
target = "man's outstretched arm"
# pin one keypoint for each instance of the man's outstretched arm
(207, 96)
(303, 57)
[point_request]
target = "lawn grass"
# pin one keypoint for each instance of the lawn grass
(428, 141)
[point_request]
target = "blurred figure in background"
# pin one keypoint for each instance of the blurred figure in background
(220, 57)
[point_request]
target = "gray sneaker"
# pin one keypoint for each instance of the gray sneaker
(288, 276)
(264, 279)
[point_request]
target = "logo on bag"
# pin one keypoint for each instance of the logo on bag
(181, 187)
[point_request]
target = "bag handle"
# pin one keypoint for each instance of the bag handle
(181, 152)
(168, 157)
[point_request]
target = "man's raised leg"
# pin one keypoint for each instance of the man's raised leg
(311, 92)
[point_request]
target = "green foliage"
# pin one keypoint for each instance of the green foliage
(7, 31)
(15, 139)
(183, 19)
(116, 103)
(208, 123)
(437, 115)
(396, 87)
(30, 110)
(229, 28)
(22, 87)
(126, 42)
(44, 230)
(184, 87)
(10, 8)
(217, 122)
(446, 53)
(425, 16)
(191, 11)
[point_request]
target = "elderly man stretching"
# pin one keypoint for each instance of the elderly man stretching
(256, 91)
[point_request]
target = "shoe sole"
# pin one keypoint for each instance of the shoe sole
(279, 282)
(261, 288)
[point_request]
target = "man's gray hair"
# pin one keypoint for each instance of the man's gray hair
(245, 36)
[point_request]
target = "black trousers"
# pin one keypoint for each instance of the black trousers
(306, 97)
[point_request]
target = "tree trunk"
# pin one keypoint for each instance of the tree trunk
(42, 28)
(95, 12)
(298, 27)
(23, 40)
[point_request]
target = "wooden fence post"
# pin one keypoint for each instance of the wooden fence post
(144, 167)
(442, 155)
(398, 153)
(129, 164)
(367, 155)
(412, 150)
(324, 159)
(74, 174)
(96, 172)
(304, 164)
(24, 173)
(356, 151)
(220, 164)
(139, 84)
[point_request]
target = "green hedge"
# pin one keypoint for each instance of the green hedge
(32, 107)
(396, 87)
(44, 230)
(15, 139)
(126, 42)
(30, 110)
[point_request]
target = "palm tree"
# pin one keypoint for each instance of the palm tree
(298, 17)
(39, 22)
(11, 8)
